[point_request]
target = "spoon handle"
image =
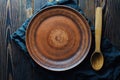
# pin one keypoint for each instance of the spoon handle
(98, 28)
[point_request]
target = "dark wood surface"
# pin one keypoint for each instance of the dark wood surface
(14, 65)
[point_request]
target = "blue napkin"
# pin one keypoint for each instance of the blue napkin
(84, 71)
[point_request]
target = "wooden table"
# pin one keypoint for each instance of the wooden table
(14, 65)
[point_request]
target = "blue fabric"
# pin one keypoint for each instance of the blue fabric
(84, 71)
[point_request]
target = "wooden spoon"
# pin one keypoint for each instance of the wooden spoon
(97, 58)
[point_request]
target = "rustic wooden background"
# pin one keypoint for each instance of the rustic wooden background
(14, 65)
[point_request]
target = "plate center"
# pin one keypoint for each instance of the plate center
(58, 38)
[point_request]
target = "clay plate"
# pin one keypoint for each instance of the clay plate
(58, 38)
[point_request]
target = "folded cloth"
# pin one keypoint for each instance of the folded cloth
(84, 71)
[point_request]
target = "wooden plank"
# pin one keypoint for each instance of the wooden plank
(4, 55)
(88, 7)
(6, 64)
(21, 65)
(112, 21)
(13, 14)
(1, 24)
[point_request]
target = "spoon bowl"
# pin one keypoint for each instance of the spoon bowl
(97, 60)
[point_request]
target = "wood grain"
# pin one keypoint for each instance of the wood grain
(4, 58)
(14, 65)
(12, 16)
(112, 21)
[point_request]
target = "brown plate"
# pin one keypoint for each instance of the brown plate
(58, 38)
